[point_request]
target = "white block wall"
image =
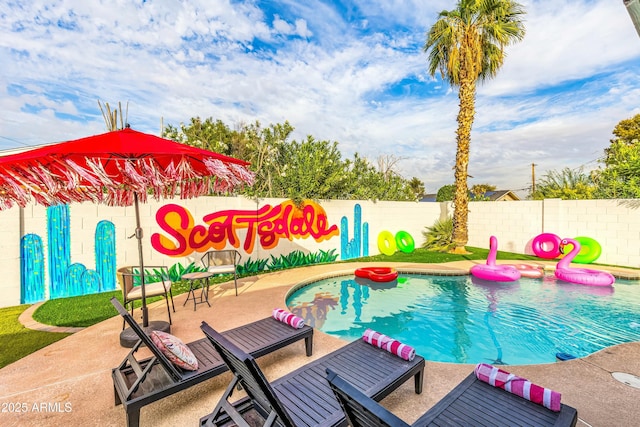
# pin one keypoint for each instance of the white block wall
(615, 224)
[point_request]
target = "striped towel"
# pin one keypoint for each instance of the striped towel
(386, 343)
(289, 318)
(519, 386)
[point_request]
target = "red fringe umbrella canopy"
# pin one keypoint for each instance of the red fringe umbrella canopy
(114, 168)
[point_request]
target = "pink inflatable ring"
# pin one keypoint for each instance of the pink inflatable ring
(546, 245)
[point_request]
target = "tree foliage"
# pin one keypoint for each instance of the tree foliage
(417, 188)
(627, 131)
(567, 184)
(264, 149)
(467, 44)
(620, 178)
(479, 191)
(298, 170)
(311, 169)
(208, 135)
(446, 193)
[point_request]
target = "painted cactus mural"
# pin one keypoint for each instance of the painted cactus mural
(74, 279)
(32, 267)
(105, 248)
(358, 246)
(59, 251)
(66, 279)
(82, 281)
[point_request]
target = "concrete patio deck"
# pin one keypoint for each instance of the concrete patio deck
(69, 382)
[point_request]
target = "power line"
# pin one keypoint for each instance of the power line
(14, 140)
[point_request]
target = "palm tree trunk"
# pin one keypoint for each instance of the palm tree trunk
(466, 114)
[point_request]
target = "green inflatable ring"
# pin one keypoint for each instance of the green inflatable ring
(386, 243)
(590, 250)
(404, 242)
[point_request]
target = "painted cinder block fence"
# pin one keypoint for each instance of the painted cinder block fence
(86, 243)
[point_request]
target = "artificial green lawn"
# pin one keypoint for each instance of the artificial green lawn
(17, 342)
(87, 310)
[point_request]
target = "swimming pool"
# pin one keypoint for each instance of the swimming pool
(461, 319)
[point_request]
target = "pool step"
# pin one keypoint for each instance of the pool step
(561, 357)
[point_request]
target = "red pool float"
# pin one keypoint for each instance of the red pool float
(377, 274)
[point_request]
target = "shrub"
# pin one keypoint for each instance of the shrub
(438, 237)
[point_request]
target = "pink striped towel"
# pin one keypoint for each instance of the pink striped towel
(519, 386)
(386, 343)
(289, 318)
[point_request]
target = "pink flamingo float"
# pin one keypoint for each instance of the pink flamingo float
(583, 276)
(492, 271)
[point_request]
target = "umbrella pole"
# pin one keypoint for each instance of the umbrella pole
(145, 315)
(128, 337)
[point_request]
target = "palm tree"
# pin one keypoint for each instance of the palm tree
(417, 188)
(466, 45)
(111, 117)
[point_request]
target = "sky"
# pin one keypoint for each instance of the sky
(348, 71)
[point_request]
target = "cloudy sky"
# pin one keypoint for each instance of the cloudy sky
(348, 71)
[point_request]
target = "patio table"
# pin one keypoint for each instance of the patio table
(201, 277)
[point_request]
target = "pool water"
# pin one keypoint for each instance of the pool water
(462, 319)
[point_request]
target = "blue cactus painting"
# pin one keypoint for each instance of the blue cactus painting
(32, 267)
(82, 281)
(66, 279)
(59, 251)
(359, 245)
(105, 248)
(74, 279)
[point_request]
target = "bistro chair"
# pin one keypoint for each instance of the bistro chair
(156, 282)
(223, 262)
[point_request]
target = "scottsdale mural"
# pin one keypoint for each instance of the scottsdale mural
(266, 225)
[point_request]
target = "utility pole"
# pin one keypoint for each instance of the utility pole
(533, 178)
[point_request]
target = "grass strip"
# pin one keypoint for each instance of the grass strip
(87, 310)
(80, 311)
(16, 341)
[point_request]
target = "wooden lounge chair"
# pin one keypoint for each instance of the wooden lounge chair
(470, 403)
(303, 397)
(138, 382)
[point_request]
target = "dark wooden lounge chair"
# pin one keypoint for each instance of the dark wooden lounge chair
(138, 383)
(470, 403)
(303, 397)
